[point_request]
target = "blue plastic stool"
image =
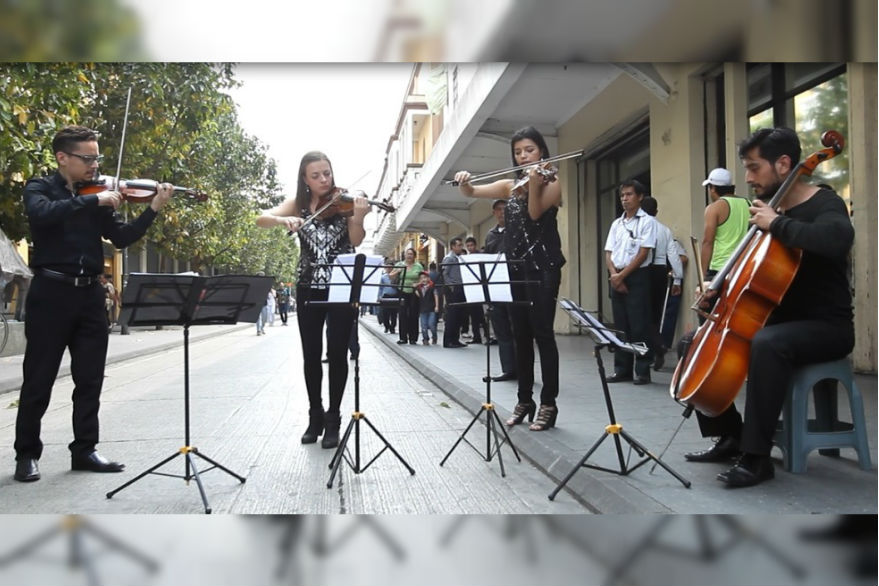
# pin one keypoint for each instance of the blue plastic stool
(798, 435)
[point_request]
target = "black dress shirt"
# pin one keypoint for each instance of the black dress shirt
(66, 229)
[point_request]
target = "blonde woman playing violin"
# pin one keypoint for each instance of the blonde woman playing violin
(531, 236)
(321, 239)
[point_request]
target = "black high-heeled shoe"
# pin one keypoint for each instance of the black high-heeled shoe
(545, 418)
(521, 411)
(315, 426)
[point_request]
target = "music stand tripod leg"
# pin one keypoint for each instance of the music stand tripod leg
(144, 473)
(339, 455)
(387, 445)
(579, 465)
(216, 464)
(195, 474)
(633, 442)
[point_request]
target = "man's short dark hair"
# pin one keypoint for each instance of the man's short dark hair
(772, 143)
(724, 189)
(634, 184)
(455, 241)
(470, 239)
(70, 135)
(498, 202)
(650, 205)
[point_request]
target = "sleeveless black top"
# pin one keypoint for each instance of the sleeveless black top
(536, 242)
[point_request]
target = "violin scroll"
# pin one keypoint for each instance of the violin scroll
(834, 140)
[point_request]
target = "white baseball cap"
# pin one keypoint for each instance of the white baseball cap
(719, 176)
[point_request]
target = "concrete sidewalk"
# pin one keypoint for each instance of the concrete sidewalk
(139, 342)
(830, 485)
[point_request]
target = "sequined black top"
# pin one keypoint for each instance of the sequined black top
(320, 242)
(536, 242)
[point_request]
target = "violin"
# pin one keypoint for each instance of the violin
(340, 201)
(751, 285)
(133, 190)
(548, 171)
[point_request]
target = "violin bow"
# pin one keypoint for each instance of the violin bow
(122, 142)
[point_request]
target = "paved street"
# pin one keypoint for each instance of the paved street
(249, 409)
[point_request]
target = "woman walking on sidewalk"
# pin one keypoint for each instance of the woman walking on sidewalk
(321, 240)
(531, 236)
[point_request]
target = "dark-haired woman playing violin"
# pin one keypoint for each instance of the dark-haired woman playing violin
(531, 236)
(321, 239)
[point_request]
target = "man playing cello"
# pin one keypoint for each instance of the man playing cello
(814, 320)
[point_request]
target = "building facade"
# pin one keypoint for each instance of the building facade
(667, 125)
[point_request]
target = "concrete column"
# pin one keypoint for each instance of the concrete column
(861, 142)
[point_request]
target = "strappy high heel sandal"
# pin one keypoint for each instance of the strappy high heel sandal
(545, 418)
(521, 411)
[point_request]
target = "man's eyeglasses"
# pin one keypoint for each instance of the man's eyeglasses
(88, 159)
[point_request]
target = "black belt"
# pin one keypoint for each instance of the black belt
(76, 281)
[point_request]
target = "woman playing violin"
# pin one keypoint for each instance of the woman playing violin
(813, 321)
(531, 236)
(321, 237)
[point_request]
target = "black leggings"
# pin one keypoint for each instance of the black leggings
(535, 324)
(339, 320)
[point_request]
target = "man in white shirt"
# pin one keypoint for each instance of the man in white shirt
(630, 240)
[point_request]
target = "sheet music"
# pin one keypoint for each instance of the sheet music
(599, 330)
(497, 273)
(340, 279)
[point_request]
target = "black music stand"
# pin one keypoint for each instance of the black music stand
(164, 299)
(605, 338)
(359, 294)
(494, 290)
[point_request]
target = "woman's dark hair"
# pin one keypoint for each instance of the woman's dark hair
(772, 143)
(531, 133)
(303, 193)
(70, 135)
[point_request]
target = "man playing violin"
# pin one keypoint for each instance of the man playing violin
(65, 304)
(813, 321)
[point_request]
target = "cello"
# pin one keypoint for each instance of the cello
(750, 286)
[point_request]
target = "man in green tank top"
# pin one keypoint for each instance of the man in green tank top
(726, 221)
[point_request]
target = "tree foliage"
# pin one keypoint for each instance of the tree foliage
(182, 128)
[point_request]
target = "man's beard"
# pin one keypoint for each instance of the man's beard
(769, 191)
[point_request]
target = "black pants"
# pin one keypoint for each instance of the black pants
(454, 314)
(408, 317)
(339, 319)
(776, 351)
(477, 321)
(503, 333)
(632, 315)
(535, 324)
(282, 311)
(388, 312)
(62, 316)
(658, 290)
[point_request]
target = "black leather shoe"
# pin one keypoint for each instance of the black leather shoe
(641, 380)
(27, 470)
(748, 472)
(659, 360)
(401, 342)
(455, 345)
(504, 377)
(618, 378)
(95, 462)
(724, 448)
